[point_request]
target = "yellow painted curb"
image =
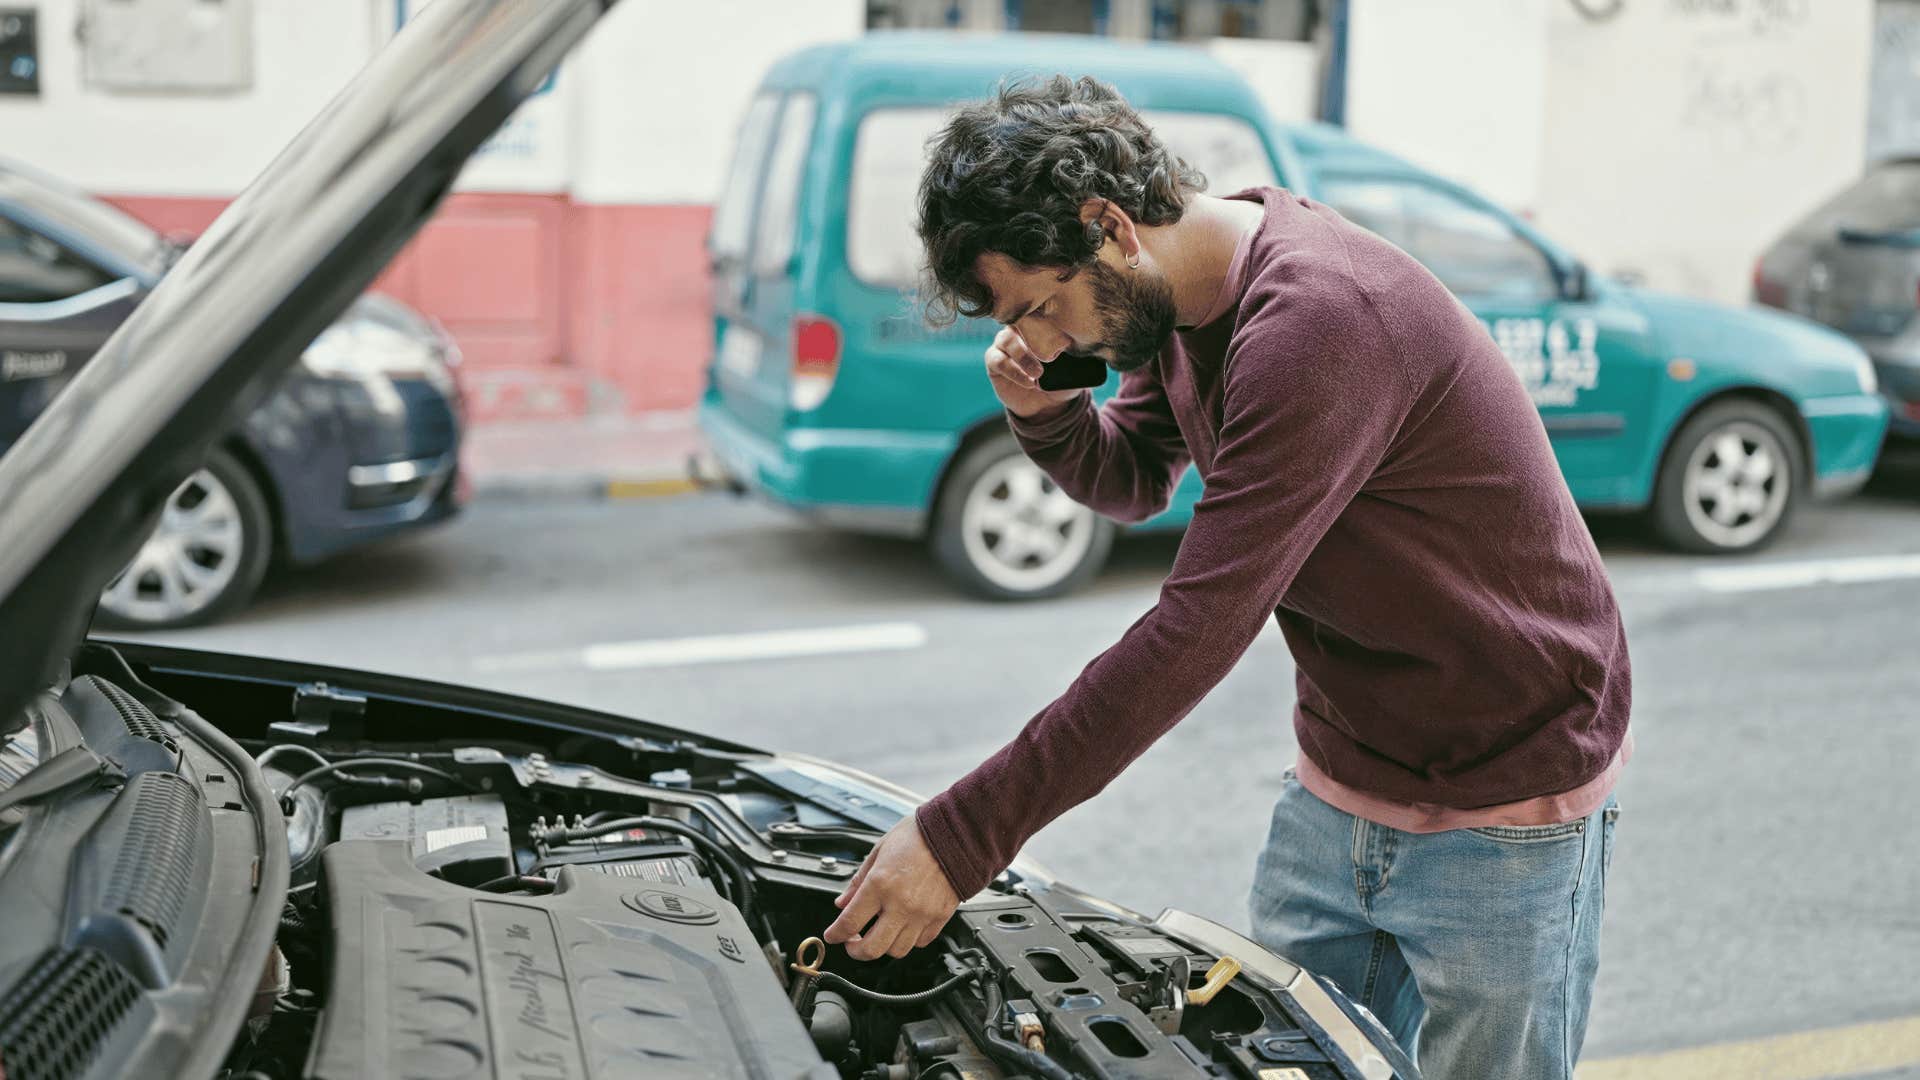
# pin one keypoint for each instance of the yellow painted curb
(1808, 1055)
(648, 489)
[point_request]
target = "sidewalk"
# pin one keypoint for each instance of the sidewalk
(596, 457)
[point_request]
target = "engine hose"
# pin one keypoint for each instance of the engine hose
(699, 839)
(516, 881)
(835, 982)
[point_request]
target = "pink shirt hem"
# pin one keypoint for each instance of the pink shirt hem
(1431, 817)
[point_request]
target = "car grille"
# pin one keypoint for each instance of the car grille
(432, 429)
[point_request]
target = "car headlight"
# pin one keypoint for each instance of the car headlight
(1863, 369)
(362, 348)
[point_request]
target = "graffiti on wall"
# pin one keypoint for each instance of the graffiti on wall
(1741, 107)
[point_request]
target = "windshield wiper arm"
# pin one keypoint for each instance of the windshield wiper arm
(61, 771)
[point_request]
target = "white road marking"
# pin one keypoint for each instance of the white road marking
(1800, 574)
(718, 648)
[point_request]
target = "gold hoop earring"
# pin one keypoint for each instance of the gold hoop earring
(1133, 261)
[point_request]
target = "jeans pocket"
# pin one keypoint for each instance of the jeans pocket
(1531, 834)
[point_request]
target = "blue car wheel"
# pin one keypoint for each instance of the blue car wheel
(205, 557)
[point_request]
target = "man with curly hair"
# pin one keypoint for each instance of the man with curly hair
(1378, 482)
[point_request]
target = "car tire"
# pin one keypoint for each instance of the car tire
(1003, 530)
(205, 558)
(1730, 481)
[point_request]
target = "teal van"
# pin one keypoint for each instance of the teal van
(829, 395)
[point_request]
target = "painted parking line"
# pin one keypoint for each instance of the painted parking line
(1803, 573)
(650, 489)
(717, 648)
(1826, 1054)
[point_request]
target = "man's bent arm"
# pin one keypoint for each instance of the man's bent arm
(1122, 460)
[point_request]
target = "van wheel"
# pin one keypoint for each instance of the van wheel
(1003, 530)
(205, 558)
(1730, 481)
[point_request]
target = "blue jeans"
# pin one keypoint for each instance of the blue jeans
(1477, 948)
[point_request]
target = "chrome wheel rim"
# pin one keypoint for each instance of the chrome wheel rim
(1736, 484)
(191, 558)
(1021, 531)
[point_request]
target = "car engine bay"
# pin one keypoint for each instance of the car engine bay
(475, 895)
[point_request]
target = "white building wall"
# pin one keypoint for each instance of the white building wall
(174, 144)
(644, 112)
(1455, 87)
(662, 88)
(1684, 136)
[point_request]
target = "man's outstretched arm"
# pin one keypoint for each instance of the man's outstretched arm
(1309, 417)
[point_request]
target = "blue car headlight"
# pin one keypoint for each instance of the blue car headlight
(362, 349)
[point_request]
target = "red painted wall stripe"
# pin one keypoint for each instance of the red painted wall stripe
(560, 308)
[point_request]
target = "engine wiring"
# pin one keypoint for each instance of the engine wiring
(266, 756)
(838, 982)
(339, 768)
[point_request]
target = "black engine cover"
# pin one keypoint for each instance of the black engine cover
(604, 977)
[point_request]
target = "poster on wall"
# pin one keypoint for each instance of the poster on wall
(147, 46)
(529, 152)
(19, 51)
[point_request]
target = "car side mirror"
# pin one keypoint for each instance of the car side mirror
(1576, 284)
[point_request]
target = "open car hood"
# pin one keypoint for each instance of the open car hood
(85, 483)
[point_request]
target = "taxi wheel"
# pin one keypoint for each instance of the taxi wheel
(1730, 481)
(1003, 530)
(205, 557)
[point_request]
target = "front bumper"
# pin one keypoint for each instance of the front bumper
(1848, 431)
(354, 461)
(862, 479)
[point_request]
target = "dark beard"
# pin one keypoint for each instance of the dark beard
(1136, 315)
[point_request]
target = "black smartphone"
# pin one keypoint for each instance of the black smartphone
(1072, 371)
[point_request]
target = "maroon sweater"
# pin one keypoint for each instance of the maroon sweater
(1379, 482)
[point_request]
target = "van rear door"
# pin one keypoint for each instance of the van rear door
(755, 264)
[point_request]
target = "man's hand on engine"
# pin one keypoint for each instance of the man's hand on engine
(901, 891)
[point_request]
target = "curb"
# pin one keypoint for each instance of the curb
(581, 486)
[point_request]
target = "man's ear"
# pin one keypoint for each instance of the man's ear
(1115, 224)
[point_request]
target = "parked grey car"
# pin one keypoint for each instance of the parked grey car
(1854, 264)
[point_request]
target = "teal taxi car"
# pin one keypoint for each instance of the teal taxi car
(828, 394)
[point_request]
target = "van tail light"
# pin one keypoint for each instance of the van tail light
(816, 361)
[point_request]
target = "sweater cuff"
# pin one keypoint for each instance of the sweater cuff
(937, 828)
(1051, 424)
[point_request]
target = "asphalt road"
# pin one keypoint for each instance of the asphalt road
(1767, 878)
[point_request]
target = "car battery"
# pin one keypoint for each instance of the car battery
(463, 839)
(639, 854)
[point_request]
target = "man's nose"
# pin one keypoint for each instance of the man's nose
(1042, 341)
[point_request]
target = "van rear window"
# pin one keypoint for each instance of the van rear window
(780, 200)
(733, 215)
(890, 154)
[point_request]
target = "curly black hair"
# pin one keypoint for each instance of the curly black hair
(1009, 175)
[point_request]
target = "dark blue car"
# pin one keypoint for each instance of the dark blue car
(360, 441)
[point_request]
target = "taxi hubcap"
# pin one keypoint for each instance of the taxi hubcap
(1021, 531)
(189, 560)
(1736, 484)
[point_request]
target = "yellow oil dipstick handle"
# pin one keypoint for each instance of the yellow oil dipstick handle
(805, 966)
(1218, 976)
(809, 976)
